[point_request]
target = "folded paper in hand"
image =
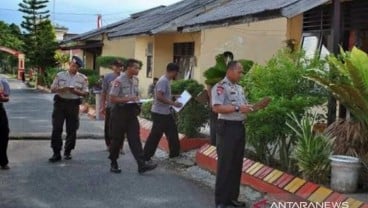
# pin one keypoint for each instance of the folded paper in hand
(183, 99)
(260, 104)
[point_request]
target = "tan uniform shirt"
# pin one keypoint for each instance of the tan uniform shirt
(123, 86)
(225, 93)
(65, 79)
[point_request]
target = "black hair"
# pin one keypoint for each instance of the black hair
(131, 62)
(172, 67)
(229, 54)
(155, 79)
(232, 64)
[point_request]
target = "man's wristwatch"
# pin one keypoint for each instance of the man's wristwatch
(237, 108)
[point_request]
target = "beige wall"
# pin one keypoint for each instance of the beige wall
(130, 47)
(88, 58)
(140, 54)
(257, 41)
(164, 48)
(122, 46)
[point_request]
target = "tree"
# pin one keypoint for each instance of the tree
(46, 45)
(34, 13)
(39, 38)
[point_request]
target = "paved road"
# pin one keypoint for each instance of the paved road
(85, 181)
(30, 110)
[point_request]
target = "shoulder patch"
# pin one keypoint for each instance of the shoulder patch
(219, 89)
(117, 83)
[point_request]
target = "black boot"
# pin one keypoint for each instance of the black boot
(144, 167)
(115, 167)
(236, 203)
(67, 155)
(56, 157)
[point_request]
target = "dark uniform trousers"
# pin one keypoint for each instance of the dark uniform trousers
(4, 136)
(213, 120)
(162, 124)
(230, 153)
(123, 120)
(107, 126)
(64, 110)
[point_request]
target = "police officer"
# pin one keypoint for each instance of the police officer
(229, 102)
(4, 125)
(69, 87)
(163, 120)
(125, 109)
(117, 67)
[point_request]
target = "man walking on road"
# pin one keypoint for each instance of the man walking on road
(124, 96)
(69, 87)
(4, 124)
(162, 118)
(229, 102)
(117, 67)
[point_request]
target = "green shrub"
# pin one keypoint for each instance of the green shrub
(88, 72)
(312, 150)
(282, 79)
(194, 115)
(106, 61)
(146, 110)
(217, 73)
(90, 99)
(93, 81)
(48, 77)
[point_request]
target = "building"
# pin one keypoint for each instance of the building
(192, 32)
(60, 31)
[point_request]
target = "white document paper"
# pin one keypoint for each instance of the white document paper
(183, 99)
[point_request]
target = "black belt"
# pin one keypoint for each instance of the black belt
(126, 105)
(228, 122)
(57, 98)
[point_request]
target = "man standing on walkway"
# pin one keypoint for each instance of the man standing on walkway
(117, 67)
(69, 87)
(124, 97)
(162, 118)
(4, 124)
(229, 102)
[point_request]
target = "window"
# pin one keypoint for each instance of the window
(149, 55)
(184, 57)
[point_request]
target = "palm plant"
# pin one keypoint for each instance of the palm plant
(347, 80)
(312, 150)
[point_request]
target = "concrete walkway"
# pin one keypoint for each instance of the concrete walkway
(30, 110)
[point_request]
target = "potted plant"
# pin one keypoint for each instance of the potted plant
(347, 80)
(312, 149)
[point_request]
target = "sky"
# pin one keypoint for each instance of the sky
(81, 15)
